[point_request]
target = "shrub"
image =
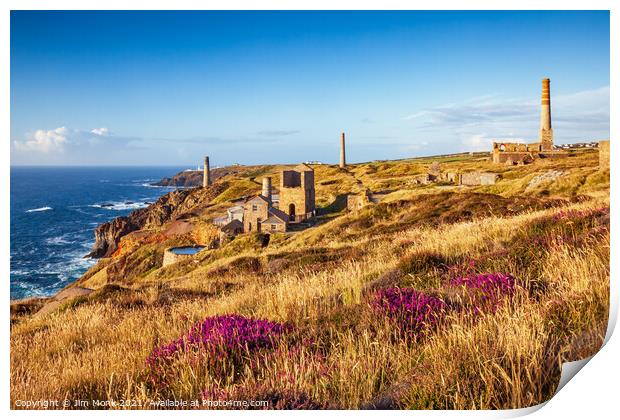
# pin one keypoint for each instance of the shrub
(414, 312)
(422, 262)
(488, 290)
(219, 341)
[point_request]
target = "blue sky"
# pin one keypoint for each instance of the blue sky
(166, 88)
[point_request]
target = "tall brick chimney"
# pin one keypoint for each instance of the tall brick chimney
(343, 159)
(546, 132)
(206, 175)
(267, 188)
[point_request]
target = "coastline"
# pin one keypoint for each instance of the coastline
(54, 212)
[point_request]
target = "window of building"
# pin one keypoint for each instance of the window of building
(254, 207)
(273, 227)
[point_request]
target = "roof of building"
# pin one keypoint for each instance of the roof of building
(257, 198)
(276, 213)
(302, 167)
(232, 226)
(273, 220)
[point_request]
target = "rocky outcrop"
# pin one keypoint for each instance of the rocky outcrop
(547, 177)
(194, 178)
(182, 179)
(108, 234)
(175, 205)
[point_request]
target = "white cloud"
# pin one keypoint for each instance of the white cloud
(476, 122)
(44, 141)
(482, 142)
(63, 140)
(100, 131)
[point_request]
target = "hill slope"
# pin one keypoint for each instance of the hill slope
(493, 341)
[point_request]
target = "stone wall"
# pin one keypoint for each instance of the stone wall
(512, 158)
(510, 147)
(423, 179)
(251, 217)
(171, 258)
(471, 178)
(357, 201)
(487, 178)
(273, 227)
(453, 177)
(290, 179)
(297, 195)
(300, 199)
(478, 178)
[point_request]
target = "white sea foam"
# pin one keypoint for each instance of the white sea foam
(119, 205)
(58, 240)
(39, 209)
(165, 187)
(73, 266)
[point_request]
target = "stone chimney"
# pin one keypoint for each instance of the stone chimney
(343, 159)
(267, 188)
(206, 176)
(546, 132)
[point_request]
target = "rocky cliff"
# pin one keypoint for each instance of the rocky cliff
(182, 179)
(175, 205)
(194, 178)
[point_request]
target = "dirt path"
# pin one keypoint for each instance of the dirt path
(61, 297)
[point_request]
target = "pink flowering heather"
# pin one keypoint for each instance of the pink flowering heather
(491, 288)
(415, 312)
(578, 214)
(225, 338)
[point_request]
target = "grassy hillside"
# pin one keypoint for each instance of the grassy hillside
(438, 297)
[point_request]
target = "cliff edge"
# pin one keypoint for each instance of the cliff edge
(175, 205)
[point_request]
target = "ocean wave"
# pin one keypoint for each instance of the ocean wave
(165, 187)
(58, 240)
(39, 209)
(120, 205)
(29, 290)
(62, 272)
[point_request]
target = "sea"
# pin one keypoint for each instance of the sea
(54, 212)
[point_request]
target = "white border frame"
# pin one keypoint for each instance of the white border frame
(593, 394)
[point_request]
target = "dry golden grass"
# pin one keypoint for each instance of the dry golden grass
(97, 350)
(344, 355)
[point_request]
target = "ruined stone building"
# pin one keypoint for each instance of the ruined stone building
(259, 214)
(296, 202)
(276, 222)
(297, 193)
(477, 178)
(255, 210)
(358, 201)
(522, 153)
(268, 212)
(473, 178)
